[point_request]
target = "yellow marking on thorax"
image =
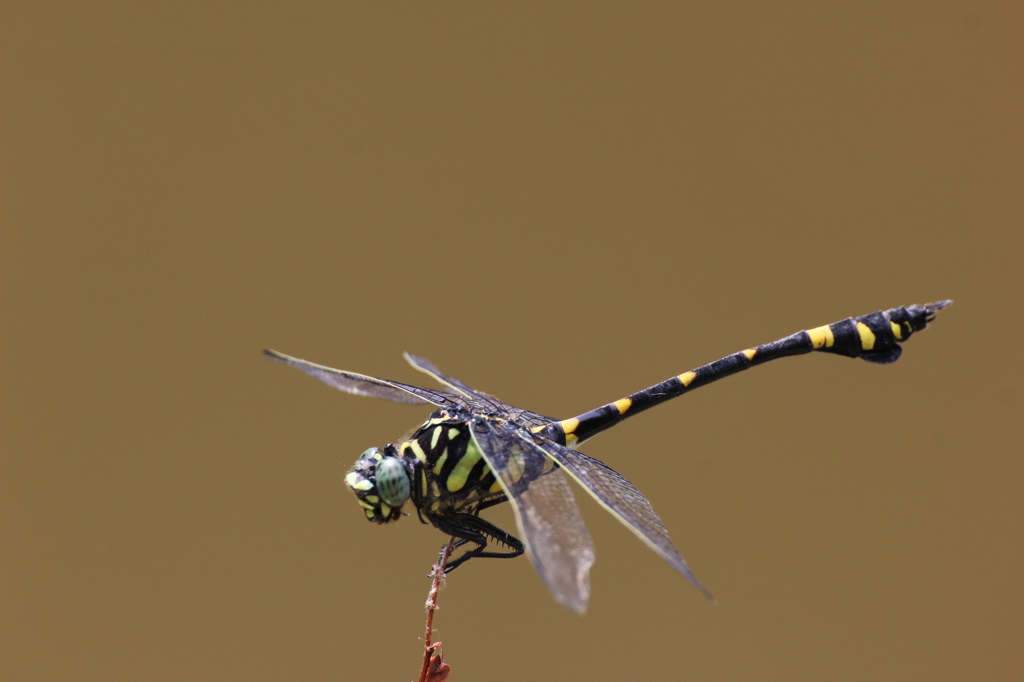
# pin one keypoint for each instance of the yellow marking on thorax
(372, 498)
(385, 510)
(513, 467)
(440, 463)
(356, 481)
(686, 378)
(436, 437)
(364, 504)
(495, 488)
(453, 433)
(897, 331)
(460, 472)
(623, 405)
(512, 476)
(417, 450)
(821, 337)
(867, 337)
(370, 514)
(750, 353)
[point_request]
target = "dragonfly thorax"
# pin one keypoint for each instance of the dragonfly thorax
(450, 475)
(381, 484)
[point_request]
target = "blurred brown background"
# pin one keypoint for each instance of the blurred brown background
(559, 205)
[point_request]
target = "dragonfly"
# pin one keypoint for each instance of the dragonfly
(475, 451)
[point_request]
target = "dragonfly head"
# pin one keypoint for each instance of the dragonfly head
(381, 484)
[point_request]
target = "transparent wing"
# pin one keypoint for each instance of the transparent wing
(624, 502)
(549, 521)
(483, 402)
(427, 367)
(361, 384)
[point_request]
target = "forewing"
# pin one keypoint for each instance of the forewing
(549, 521)
(624, 502)
(361, 384)
(482, 401)
(427, 367)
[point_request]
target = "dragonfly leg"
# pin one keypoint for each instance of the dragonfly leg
(487, 504)
(469, 528)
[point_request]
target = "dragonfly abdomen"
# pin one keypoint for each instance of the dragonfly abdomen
(875, 337)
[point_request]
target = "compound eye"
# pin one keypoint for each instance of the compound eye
(392, 482)
(371, 453)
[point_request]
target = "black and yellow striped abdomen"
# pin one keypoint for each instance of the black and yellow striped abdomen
(875, 337)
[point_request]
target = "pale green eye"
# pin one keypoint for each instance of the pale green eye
(392, 481)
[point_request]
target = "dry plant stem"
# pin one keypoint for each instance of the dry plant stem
(437, 573)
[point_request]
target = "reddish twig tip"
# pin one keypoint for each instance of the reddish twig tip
(434, 669)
